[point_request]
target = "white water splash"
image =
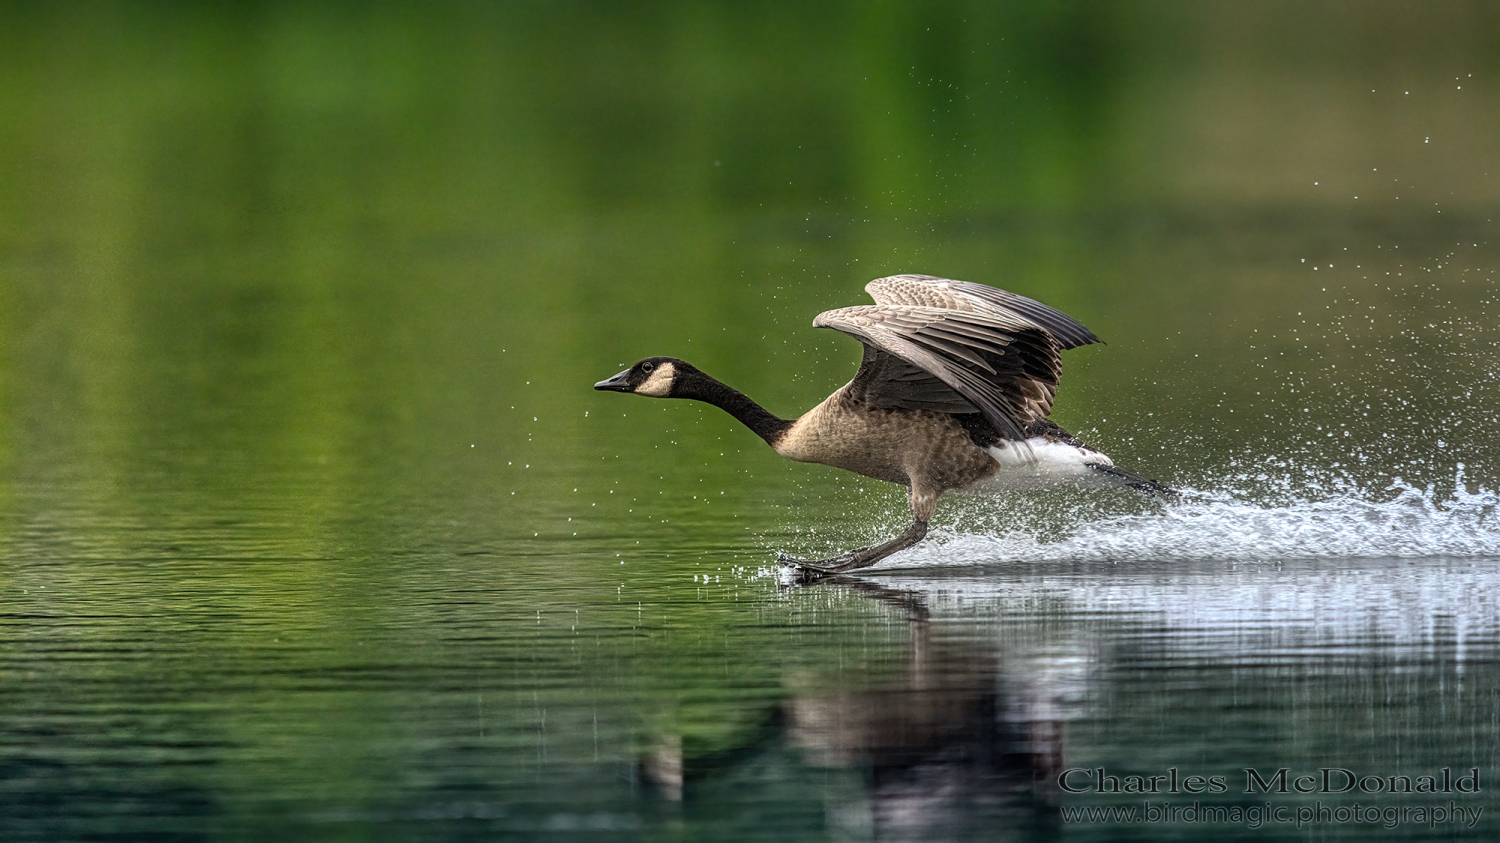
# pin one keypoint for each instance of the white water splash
(1399, 521)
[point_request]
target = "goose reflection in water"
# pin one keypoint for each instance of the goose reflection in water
(962, 741)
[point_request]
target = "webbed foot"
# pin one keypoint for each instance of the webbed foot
(811, 571)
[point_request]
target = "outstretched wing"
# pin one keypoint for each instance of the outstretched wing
(947, 294)
(936, 344)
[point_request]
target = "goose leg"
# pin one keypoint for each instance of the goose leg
(861, 558)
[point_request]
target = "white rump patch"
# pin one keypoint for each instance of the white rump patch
(1040, 463)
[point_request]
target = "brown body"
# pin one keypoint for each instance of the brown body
(927, 451)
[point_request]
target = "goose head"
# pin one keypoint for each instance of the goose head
(656, 377)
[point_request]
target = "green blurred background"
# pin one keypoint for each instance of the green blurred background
(242, 236)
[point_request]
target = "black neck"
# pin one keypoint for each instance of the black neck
(701, 387)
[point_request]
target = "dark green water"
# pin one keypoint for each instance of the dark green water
(311, 526)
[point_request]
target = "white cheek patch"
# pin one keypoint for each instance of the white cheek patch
(659, 385)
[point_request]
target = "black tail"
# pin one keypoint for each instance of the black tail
(1135, 481)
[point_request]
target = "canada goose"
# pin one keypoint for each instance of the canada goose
(952, 394)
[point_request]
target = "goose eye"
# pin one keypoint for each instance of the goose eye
(648, 368)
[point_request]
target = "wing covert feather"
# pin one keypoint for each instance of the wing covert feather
(948, 294)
